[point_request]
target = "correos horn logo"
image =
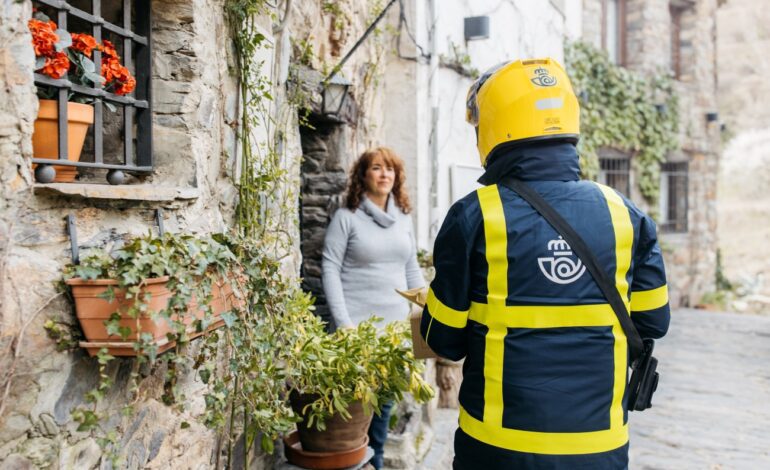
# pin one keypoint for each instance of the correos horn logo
(543, 78)
(561, 268)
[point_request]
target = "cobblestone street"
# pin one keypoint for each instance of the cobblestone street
(712, 408)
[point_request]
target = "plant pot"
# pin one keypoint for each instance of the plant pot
(45, 139)
(300, 457)
(339, 435)
(92, 311)
(223, 299)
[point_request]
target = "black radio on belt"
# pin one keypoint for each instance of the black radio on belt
(644, 379)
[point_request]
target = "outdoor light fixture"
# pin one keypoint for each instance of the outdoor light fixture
(476, 27)
(335, 91)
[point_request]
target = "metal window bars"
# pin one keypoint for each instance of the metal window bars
(137, 110)
(616, 173)
(674, 178)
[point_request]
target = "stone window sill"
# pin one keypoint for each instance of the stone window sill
(131, 192)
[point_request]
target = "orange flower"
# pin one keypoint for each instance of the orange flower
(44, 37)
(56, 66)
(111, 69)
(127, 86)
(109, 50)
(84, 43)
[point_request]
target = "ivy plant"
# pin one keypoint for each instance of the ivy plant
(624, 110)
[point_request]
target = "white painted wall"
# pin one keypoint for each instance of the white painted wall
(519, 29)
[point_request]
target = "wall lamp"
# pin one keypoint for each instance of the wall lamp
(476, 27)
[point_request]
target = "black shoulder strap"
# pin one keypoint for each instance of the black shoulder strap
(588, 258)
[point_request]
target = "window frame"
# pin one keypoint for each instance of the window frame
(615, 164)
(667, 204)
(621, 28)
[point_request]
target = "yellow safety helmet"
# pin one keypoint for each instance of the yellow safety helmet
(522, 101)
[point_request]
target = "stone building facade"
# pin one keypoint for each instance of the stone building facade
(677, 36)
(196, 165)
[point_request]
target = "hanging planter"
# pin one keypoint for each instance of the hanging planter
(153, 293)
(95, 308)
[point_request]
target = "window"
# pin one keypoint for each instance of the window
(120, 138)
(615, 171)
(676, 40)
(614, 30)
(673, 197)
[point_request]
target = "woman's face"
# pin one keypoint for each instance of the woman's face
(379, 177)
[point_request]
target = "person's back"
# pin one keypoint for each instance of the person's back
(545, 373)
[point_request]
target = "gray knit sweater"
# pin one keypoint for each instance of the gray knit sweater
(367, 255)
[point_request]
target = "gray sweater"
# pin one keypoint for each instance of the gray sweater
(367, 255)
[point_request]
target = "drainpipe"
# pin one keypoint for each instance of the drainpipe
(433, 214)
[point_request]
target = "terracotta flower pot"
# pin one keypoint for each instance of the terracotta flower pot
(45, 140)
(92, 310)
(300, 457)
(222, 299)
(339, 435)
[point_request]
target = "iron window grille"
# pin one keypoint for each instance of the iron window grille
(616, 173)
(674, 182)
(134, 34)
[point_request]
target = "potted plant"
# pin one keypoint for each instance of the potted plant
(340, 379)
(152, 292)
(59, 53)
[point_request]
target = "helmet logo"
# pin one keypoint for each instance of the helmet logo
(561, 268)
(543, 78)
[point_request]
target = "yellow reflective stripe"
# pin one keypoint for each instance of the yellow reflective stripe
(542, 316)
(444, 314)
(569, 443)
(496, 238)
(624, 240)
(644, 300)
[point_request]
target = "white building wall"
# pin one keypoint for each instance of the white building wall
(518, 30)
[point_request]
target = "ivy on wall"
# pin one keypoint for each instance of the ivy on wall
(261, 170)
(624, 110)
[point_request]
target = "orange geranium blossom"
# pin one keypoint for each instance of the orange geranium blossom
(57, 65)
(44, 37)
(57, 62)
(84, 43)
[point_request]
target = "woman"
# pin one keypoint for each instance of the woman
(369, 252)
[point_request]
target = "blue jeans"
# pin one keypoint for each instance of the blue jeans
(378, 433)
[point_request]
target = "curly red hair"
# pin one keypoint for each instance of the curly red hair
(357, 184)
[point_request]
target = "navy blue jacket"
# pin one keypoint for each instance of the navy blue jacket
(546, 361)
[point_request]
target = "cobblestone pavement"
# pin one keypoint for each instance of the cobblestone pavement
(712, 407)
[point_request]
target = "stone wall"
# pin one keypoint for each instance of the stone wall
(194, 99)
(691, 257)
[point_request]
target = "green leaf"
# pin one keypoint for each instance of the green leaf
(65, 40)
(229, 318)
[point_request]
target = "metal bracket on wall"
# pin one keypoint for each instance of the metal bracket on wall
(159, 222)
(72, 231)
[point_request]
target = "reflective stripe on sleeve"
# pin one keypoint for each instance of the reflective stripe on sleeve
(644, 300)
(444, 314)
